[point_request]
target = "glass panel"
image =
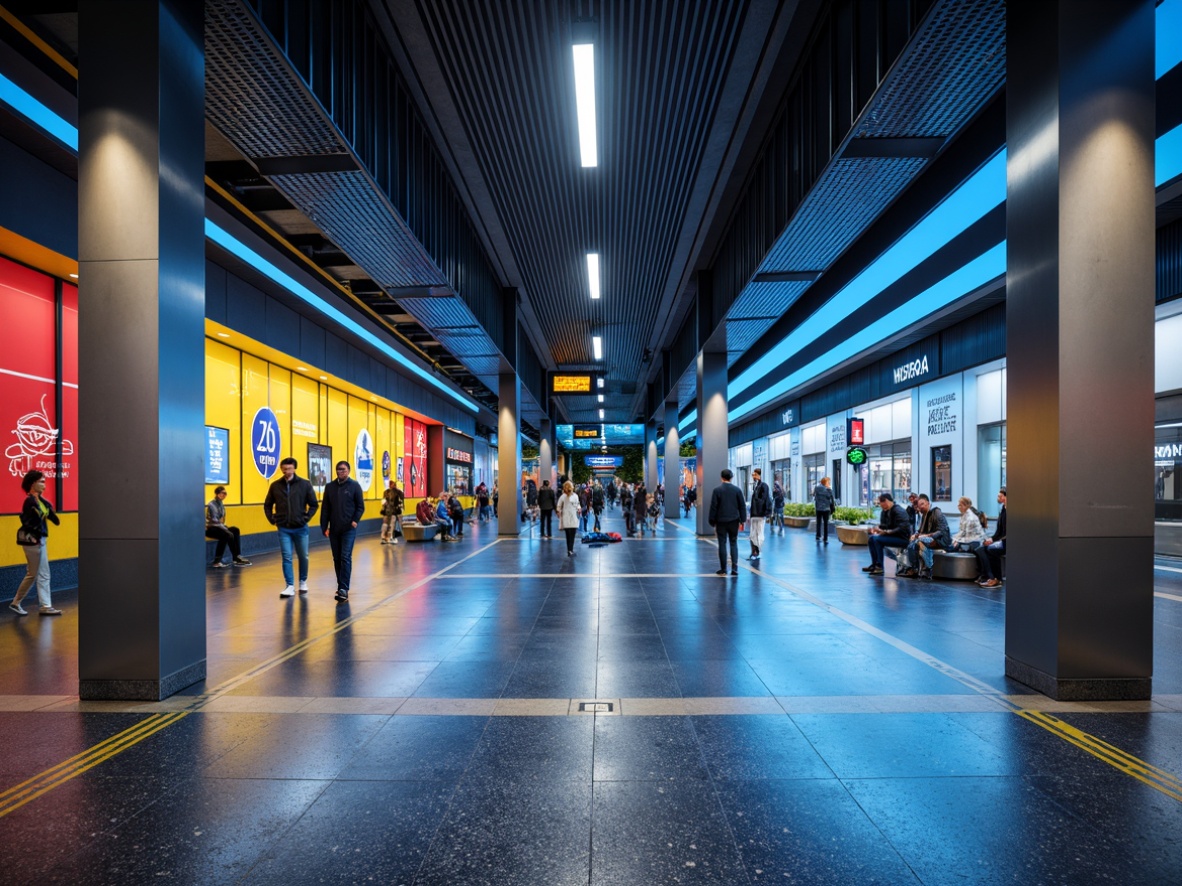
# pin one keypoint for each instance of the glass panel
(991, 462)
(941, 473)
(1167, 480)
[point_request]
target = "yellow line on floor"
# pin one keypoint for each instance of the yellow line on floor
(1157, 779)
(27, 791)
(42, 783)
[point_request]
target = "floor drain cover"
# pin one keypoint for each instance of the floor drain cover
(595, 707)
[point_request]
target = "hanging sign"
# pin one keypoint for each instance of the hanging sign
(856, 456)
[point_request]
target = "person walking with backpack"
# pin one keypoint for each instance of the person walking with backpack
(343, 507)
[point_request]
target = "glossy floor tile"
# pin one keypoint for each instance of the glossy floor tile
(799, 723)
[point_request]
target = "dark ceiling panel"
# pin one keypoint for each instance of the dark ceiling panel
(660, 70)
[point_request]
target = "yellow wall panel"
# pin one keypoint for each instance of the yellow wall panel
(223, 409)
(63, 540)
(256, 394)
(305, 418)
(338, 425)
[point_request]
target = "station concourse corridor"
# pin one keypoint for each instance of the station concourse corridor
(800, 723)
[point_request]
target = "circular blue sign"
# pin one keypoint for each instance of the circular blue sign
(386, 465)
(265, 442)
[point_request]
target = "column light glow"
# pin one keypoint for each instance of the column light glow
(584, 56)
(593, 273)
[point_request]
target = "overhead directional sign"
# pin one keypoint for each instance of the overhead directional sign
(587, 432)
(603, 461)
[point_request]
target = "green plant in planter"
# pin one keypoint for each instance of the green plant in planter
(797, 509)
(852, 516)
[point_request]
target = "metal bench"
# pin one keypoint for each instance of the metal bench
(419, 532)
(955, 566)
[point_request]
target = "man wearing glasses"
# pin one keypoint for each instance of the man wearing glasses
(344, 504)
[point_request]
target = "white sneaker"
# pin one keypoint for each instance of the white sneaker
(303, 587)
(287, 591)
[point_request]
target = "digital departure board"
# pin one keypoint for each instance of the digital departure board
(586, 432)
(572, 382)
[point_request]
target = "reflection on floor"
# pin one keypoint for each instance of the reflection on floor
(800, 723)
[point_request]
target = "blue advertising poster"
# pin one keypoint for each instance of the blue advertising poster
(217, 446)
(603, 461)
(265, 442)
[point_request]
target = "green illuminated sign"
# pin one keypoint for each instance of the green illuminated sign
(856, 456)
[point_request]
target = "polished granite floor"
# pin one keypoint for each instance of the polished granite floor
(801, 723)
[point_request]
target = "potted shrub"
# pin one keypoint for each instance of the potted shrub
(798, 515)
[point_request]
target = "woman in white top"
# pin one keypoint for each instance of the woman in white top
(970, 534)
(568, 515)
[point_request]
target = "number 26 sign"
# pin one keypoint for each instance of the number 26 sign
(265, 442)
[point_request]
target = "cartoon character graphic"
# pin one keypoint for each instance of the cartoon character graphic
(36, 438)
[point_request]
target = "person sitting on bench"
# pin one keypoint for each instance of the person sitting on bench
(892, 531)
(216, 528)
(933, 534)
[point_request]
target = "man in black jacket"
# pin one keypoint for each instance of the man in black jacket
(344, 504)
(990, 553)
(761, 506)
(727, 511)
(893, 531)
(597, 502)
(290, 505)
(547, 502)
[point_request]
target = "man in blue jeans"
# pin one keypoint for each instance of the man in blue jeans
(290, 505)
(344, 504)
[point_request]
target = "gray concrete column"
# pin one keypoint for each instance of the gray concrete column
(141, 245)
(509, 454)
(672, 461)
(713, 439)
(546, 451)
(1080, 296)
(650, 455)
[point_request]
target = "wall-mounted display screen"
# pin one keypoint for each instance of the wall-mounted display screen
(572, 383)
(320, 466)
(217, 452)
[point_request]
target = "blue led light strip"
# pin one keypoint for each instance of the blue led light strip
(974, 274)
(1168, 37)
(236, 247)
(37, 113)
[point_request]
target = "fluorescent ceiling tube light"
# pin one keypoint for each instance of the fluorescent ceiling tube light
(593, 273)
(597, 345)
(601, 398)
(601, 415)
(599, 382)
(584, 54)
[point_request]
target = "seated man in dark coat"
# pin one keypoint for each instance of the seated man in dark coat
(892, 531)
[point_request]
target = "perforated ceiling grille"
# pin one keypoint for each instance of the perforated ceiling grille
(955, 63)
(660, 70)
(847, 198)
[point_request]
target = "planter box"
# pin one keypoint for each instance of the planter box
(853, 535)
(798, 522)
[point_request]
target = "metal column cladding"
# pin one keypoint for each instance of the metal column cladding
(1080, 218)
(141, 348)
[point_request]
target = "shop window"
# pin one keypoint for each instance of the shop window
(991, 461)
(782, 474)
(941, 473)
(1167, 472)
(814, 469)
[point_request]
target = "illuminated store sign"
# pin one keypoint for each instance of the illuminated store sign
(459, 455)
(603, 461)
(1168, 451)
(915, 369)
(855, 432)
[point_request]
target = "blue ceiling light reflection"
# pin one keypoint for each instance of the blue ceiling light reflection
(1167, 156)
(689, 420)
(306, 295)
